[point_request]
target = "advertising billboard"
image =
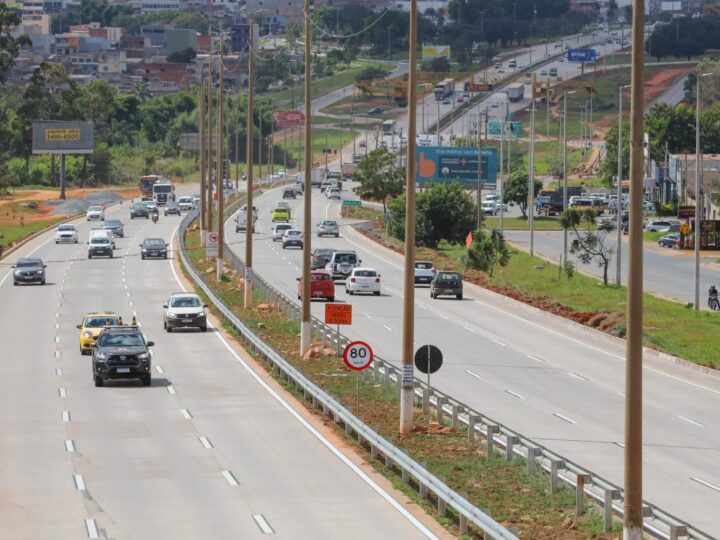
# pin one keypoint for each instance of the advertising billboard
(513, 129)
(55, 137)
(455, 164)
(435, 51)
(289, 118)
(581, 55)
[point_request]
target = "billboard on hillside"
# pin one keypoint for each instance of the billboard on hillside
(55, 137)
(581, 55)
(435, 51)
(455, 164)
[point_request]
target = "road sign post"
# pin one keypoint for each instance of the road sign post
(338, 314)
(358, 356)
(428, 359)
(211, 246)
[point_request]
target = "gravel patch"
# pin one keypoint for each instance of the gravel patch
(78, 206)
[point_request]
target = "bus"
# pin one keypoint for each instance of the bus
(388, 126)
(146, 184)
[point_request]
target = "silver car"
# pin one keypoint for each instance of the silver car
(328, 227)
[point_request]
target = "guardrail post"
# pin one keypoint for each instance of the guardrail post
(386, 373)
(439, 402)
(376, 370)
(510, 441)
(405, 475)
(373, 451)
(455, 412)
(462, 518)
(388, 461)
(555, 464)
(486, 511)
(472, 420)
(580, 494)
(441, 504)
(426, 401)
(422, 488)
(610, 495)
(490, 431)
(531, 453)
(676, 531)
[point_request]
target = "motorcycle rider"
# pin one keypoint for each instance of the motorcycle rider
(155, 215)
(713, 297)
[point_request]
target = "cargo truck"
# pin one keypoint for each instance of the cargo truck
(317, 177)
(444, 89)
(515, 91)
(348, 169)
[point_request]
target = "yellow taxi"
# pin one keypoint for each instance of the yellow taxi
(91, 326)
(280, 214)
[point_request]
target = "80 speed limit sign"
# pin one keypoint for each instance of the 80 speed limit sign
(358, 355)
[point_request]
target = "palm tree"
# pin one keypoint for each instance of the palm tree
(142, 91)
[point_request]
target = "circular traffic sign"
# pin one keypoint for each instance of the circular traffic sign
(428, 359)
(213, 238)
(358, 355)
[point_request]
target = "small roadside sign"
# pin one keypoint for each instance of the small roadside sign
(338, 313)
(358, 355)
(428, 359)
(211, 245)
(350, 202)
(685, 228)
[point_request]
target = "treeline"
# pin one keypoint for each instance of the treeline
(684, 36)
(134, 133)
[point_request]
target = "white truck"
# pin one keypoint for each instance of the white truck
(317, 177)
(515, 91)
(348, 169)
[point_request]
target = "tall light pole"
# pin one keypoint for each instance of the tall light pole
(565, 173)
(618, 204)
(220, 166)
(531, 176)
(698, 187)
(305, 325)
(202, 156)
(249, 129)
(632, 503)
(210, 148)
(406, 391)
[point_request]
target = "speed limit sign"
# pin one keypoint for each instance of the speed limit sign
(358, 355)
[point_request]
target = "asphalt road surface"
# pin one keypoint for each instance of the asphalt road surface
(548, 379)
(208, 451)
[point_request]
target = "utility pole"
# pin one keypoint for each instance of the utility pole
(531, 176)
(306, 326)
(221, 166)
(406, 392)
(203, 180)
(260, 143)
(250, 215)
(502, 161)
(632, 503)
(210, 149)
(698, 189)
(565, 176)
(618, 204)
(237, 147)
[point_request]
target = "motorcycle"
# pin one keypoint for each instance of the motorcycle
(155, 216)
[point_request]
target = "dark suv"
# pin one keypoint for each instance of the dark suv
(447, 283)
(121, 352)
(139, 210)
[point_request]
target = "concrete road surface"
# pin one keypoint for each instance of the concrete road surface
(210, 450)
(549, 379)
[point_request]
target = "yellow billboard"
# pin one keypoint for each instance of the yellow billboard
(435, 51)
(59, 134)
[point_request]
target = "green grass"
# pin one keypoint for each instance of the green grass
(10, 234)
(323, 138)
(548, 153)
(540, 223)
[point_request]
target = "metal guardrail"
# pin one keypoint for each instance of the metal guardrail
(658, 523)
(394, 457)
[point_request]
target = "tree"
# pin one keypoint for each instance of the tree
(186, 56)
(9, 45)
(379, 176)
(516, 190)
(487, 250)
(142, 91)
(443, 212)
(589, 244)
(437, 65)
(370, 73)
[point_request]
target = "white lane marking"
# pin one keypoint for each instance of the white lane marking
(57, 339)
(57, 327)
(705, 483)
(619, 444)
(186, 414)
(621, 394)
(205, 442)
(578, 376)
(473, 374)
(263, 524)
(501, 343)
(171, 390)
(230, 478)
(564, 418)
(445, 317)
(128, 293)
(469, 329)
(159, 369)
(323, 440)
(69, 445)
(386, 327)
(57, 354)
(422, 306)
(515, 394)
(367, 315)
(61, 392)
(66, 416)
(58, 372)
(690, 421)
(91, 528)
(536, 358)
(79, 482)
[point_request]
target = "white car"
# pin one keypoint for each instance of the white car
(333, 193)
(66, 233)
(488, 208)
(424, 272)
(151, 205)
(292, 237)
(186, 203)
(279, 231)
(95, 213)
(363, 280)
(184, 310)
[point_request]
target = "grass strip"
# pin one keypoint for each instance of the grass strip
(512, 496)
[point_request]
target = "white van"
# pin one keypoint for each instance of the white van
(107, 233)
(100, 244)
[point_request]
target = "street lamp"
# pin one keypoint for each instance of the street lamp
(698, 213)
(618, 216)
(565, 175)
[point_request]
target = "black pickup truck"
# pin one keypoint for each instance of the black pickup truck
(121, 352)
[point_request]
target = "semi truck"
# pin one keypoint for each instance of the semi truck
(163, 192)
(317, 177)
(348, 170)
(444, 89)
(515, 91)
(550, 202)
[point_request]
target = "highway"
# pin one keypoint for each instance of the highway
(549, 379)
(666, 272)
(213, 449)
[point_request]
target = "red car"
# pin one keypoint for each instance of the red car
(321, 286)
